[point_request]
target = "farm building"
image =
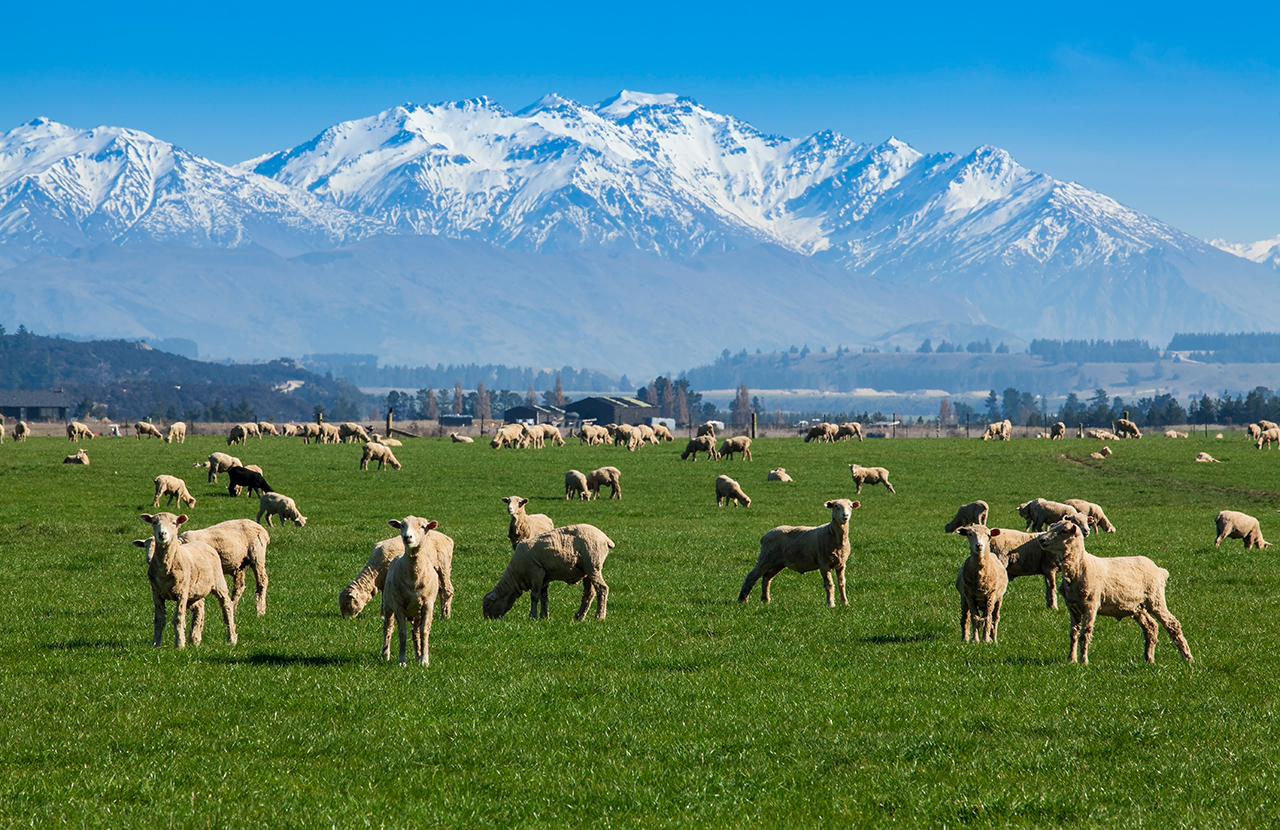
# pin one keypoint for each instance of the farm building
(534, 414)
(456, 420)
(34, 405)
(611, 410)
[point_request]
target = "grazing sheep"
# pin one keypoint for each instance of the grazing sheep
(217, 463)
(1093, 513)
(1101, 454)
(779, 474)
(1204, 457)
(174, 488)
(567, 554)
(1127, 429)
(381, 453)
(251, 480)
(575, 486)
(1058, 431)
(523, 525)
(1021, 555)
(252, 429)
(592, 434)
(276, 504)
(740, 445)
(141, 428)
(1265, 424)
(237, 435)
(289, 430)
(1253, 431)
(647, 434)
(605, 475)
(707, 429)
(1173, 433)
(1267, 437)
(531, 436)
(309, 432)
(661, 432)
(982, 581)
(77, 430)
(973, 513)
(409, 593)
(822, 432)
(1001, 430)
(804, 549)
(351, 433)
(511, 435)
(267, 428)
(869, 476)
(81, 457)
(849, 429)
(1040, 513)
(21, 432)
(1233, 524)
(1120, 587)
(461, 439)
(703, 443)
(372, 578)
(177, 432)
(729, 491)
(329, 434)
(241, 545)
(184, 573)
(552, 434)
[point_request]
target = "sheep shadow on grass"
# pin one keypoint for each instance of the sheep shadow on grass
(266, 659)
(899, 639)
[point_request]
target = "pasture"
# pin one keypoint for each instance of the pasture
(683, 708)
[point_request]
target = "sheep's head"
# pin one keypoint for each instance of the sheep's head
(1079, 519)
(1062, 540)
(351, 603)
(496, 605)
(395, 465)
(164, 526)
(299, 519)
(979, 537)
(842, 510)
(515, 505)
(413, 531)
(1024, 509)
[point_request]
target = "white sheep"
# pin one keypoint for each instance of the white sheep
(575, 486)
(647, 434)
(174, 488)
(351, 433)
(523, 525)
(1021, 555)
(1267, 437)
(592, 434)
(1233, 524)
(81, 457)
(184, 573)
(703, 443)
(1101, 454)
(999, 430)
(372, 578)
(241, 545)
(823, 432)
(329, 434)
(982, 581)
(973, 513)
(1058, 431)
(869, 476)
(77, 430)
(779, 474)
(177, 432)
(1093, 513)
(276, 504)
(267, 428)
(1119, 587)
(729, 491)
(142, 428)
(1173, 433)
(461, 439)
(707, 428)
(308, 432)
(219, 462)
(386, 442)
(804, 549)
(381, 453)
(740, 445)
(1040, 513)
(410, 589)
(568, 554)
(1101, 434)
(661, 432)
(605, 475)
(1253, 431)
(849, 429)
(531, 436)
(1127, 429)
(509, 435)
(21, 432)
(1205, 458)
(1265, 424)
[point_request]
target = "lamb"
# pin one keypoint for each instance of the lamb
(237, 435)
(1040, 513)
(276, 504)
(575, 486)
(329, 434)
(1093, 514)
(350, 433)
(1233, 524)
(177, 432)
(186, 573)
(531, 436)
(1101, 454)
(703, 443)
(267, 428)
(804, 549)
(1058, 431)
(869, 476)
(1127, 429)
(605, 475)
(142, 428)
(1204, 457)
(81, 457)
(77, 430)
(740, 445)
(1021, 555)
(241, 545)
(371, 580)
(1119, 587)
(729, 491)
(567, 554)
(779, 474)
(174, 488)
(982, 582)
(218, 462)
(849, 429)
(661, 432)
(973, 513)
(21, 432)
(251, 480)
(381, 453)
(461, 439)
(410, 589)
(1267, 437)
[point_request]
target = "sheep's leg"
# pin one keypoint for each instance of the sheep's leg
(424, 632)
(446, 593)
(829, 585)
(966, 620)
(988, 621)
(402, 630)
(857, 486)
(237, 586)
(602, 597)
(844, 598)
(768, 578)
(995, 620)
(160, 617)
(180, 622)
(749, 583)
(1075, 633)
(228, 610)
(1150, 633)
(1171, 625)
(588, 592)
(387, 625)
(1086, 633)
(260, 587)
(542, 598)
(890, 486)
(156, 503)
(1050, 583)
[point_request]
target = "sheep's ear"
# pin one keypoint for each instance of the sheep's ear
(995, 531)
(964, 531)
(396, 523)
(829, 505)
(140, 543)
(146, 517)
(856, 505)
(182, 519)
(523, 502)
(1072, 528)
(432, 525)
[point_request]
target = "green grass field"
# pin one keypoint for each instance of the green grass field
(683, 708)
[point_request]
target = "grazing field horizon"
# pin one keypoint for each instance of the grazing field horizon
(683, 707)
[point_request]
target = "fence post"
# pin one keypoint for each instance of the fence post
(753, 426)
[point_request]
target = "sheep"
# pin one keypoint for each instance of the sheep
(592, 434)
(552, 434)
(647, 434)
(177, 432)
(142, 428)
(703, 443)
(251, 428)
(242, 477)
(81, 457)
(77, 430)
(567, 554)
(186, 573)
(707, 429)
(1204, 457)
(461, 439)
(1119, 587)
(1253, 431)
(822, 432)
(410, 589)
(1021, 555)
(241, 545)
(1173, 433)
(869, 476)
(289, 430)
(381, 453)
(729, 491)
(740, 445)
(218, 462)
(1101, 454)
(531, 436)
(626, 435)
(329, 434)
(523, 525)
(1233, 524)
(661, 432)
(605, 475)
(982, 582)
(21, 432)
(1002, 430)
(803, 549)
(1040, 513)
(384, 441)
(267, 428)
(1265, 424)
(779, 474)
(237, 435)
(1058, 431)
(507, 435)
(973, 513)
(1101, 434)
(308, 432)
(276, 504)
(174, 488)
(1093, 514)
(1268, 436)
(575, 486)
(372, 578)
(1127, 429)
(350, 433)
(849, 429)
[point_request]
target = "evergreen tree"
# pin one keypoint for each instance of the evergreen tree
(459, 398)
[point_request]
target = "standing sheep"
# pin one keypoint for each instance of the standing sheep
(267, 428)
(237, 435)
(602, 476)
(823, 432)
(381, 453)
(571, 554)
(1093, 513)
(409, 593)
(239, 478)
(1021, 555)
(22, 431)
(575, 486)
(177, 432)
(779, 474)
(1119, 587)
(849, 429)
(869, 476)
(174, 488)
(729, 491)
(523, 525)
(703, 443)
(1253, 431)
(372, 578)
(740, 445)
(142, 428)
(707, 428)
(804, 549)
(184, 573)
(77, 430)
(661, 432)
(982, 581)
(550, 434)
(219, 462)
(1233, 524)
(351, 433)
(1040, 513)
(1127, 429)
(1058, 431)
(973, 513)
(329, 434)
(276, 504)
(1001, 430)
(1268, 437)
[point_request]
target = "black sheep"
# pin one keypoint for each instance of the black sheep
(251, 480)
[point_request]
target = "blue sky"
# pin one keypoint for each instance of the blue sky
(1173, 110)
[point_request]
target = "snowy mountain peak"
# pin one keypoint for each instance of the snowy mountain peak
(626, 102)
(1266, 252)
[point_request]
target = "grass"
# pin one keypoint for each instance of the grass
(683, 708)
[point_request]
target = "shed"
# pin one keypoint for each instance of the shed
(612, 409)
(533, 414)
(456, 420)
(35, 404)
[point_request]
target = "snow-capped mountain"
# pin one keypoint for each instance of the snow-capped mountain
(62, 188)
(1266, 252)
